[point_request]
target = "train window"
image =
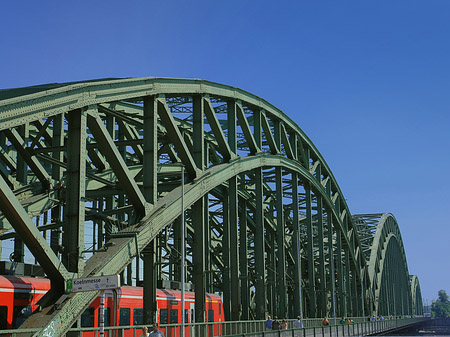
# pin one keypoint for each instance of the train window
(3, 317)
(138, 316)
(20, 314)
(23, 295)
(220, 308)
(210, 315)
(186, 315)
(173, 316)
(124, 316)
(192, 316)
(163, 316)
(87, 318)
(106, 315)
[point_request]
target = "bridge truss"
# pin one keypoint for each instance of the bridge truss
(91, 184)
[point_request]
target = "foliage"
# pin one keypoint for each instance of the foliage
(441, 307)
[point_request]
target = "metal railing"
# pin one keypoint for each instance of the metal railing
(312, 328)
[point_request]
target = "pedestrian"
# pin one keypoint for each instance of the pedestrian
(373, 319)
(156, 332)
(283, 325)
(144, 332)
(275, 323)
(298, 323)
(325, 321)
(269, 323)
(342, 321)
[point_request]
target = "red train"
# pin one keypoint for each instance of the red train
(123, 307)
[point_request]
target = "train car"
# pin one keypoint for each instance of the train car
(18, 298)
(123, 307)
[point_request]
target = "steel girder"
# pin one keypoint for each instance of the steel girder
(98, 163)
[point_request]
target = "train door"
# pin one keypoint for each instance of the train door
(192, 310)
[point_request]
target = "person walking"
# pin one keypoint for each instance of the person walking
(155, 331)
(283, 325)
(275, 323)
(144, 332)
(269, 323)
(298, 323)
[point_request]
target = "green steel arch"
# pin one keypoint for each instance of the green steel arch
(387, 265)
(416, 295)
(91, 183)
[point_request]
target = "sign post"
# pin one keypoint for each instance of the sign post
(92, 283)
(101, 283)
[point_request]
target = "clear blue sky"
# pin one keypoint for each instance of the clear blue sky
(368, 81)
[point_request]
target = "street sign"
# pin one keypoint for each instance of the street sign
(93, 283)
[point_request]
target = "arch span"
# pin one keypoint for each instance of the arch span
(387, 265)
(91, 179)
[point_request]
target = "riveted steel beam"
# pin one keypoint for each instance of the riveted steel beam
(110, 151)
(23, 225)
(21, 147)
(174, 134)
(246, 129)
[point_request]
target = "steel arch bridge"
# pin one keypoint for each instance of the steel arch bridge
(91, 184)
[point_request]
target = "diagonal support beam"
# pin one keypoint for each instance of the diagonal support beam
(177, 139)
(7, 160)
(131, 133)
(268, 133)
(246, 129)
(286, 143)
(224, 148)
(20, 145)
(109, 150)
(26, 229)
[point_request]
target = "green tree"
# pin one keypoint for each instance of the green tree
(441, 307)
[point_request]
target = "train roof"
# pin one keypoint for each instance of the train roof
(24, 282)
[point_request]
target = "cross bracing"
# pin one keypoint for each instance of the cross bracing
(91, 185)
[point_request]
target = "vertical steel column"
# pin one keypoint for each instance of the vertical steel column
(310, 247)
(296, 246)
(271, 291)
(348, 290)
(243, 264)
(175, 254)
(226, 257)
(73, 237)
(150, 191)
(198, 214)
(150, 304)
(296, 305)
(322, 278)
(234, 249)
(198, 222)
(281, 256)
(340, 276)
(332, 281)
(280, 283)
(150, 139)
(21, 176)
(260, 267)
(22, 167)
(208, 264)
(56, 212)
